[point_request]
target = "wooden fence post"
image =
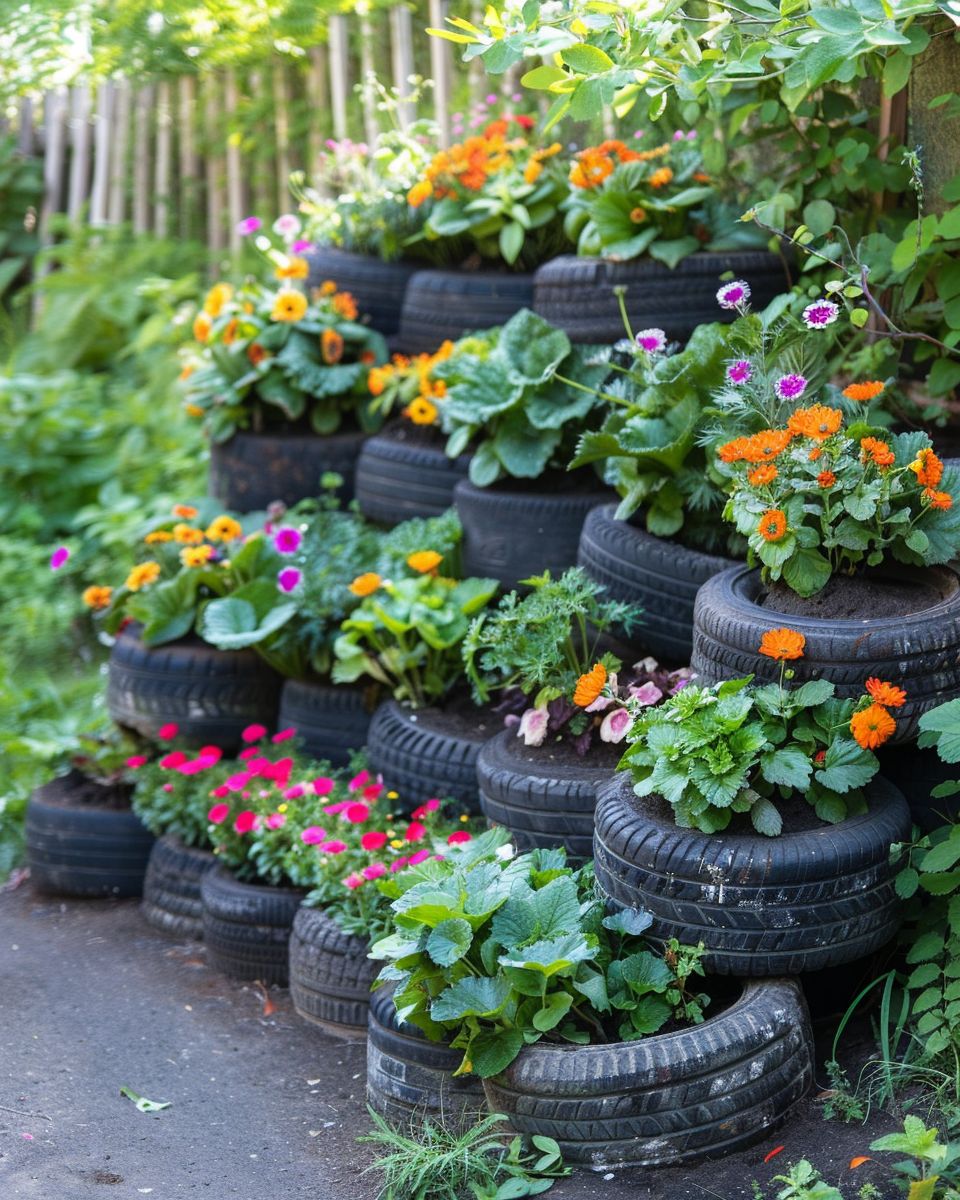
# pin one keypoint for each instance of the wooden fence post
(141, 159)
(80, 147)
(189, 159)
(371, 126)
(26, 140)
(102, 137)
(213, 134)
(54, 140)
(440, 70)
(401, 45)
(339, 73)
(234, 164)
(161, 197)
(116, 209)
(318, 94)
(281, 117)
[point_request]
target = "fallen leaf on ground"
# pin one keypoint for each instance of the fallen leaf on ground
(859, 1161)
(143, 1104)
(773, 1153)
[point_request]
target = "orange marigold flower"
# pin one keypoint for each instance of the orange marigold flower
(327, 288)
(229, 335)
(216, 298)
(815, 454)
(733, 451)
(202, 326)
(421, 411)
(764, 474)
(256, 353)
(97, 597)
(766, 445)
(195, 556)
(186, 535)
(293, 268)
(532, 171)
(885, 694)
(331, 346)
(344, 305)
(289, 305)
(638, 215)
(940, 500)
(185, 511)
(701, 177)
(377, 380)
(782, 644)
(773, 525)
(158, 535)
(826, 479)
(590, 685)
(864, 391)
(817, 422)
(661, 177)
(927, 468)
(368, 358)
(224, 529)
(877, 451)
(424, 561)
(420, 192)
(872, 727)
(591, 168)
(366, 584)
(141, 575)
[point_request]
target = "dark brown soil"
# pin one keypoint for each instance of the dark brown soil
(555, 482)
(600, 756)
(798, 816)
(459, 717)
(76, 790)
(408, 434)
(858, 597)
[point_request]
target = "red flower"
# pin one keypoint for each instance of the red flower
(136, 760)
(458, 836)
(220, 791)
(166, 732)
(214, 753)
(373, 840)
(356, 814)
(524, 121)
(171, 761)
(218, 813)
(415, 831)
(246, 821)
(373, 791)
(428, 806)
(323, 786)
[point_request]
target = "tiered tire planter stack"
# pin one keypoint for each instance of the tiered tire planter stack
(330, 974)
(331, 720)
(377, 286)
(246, 926)
(442, 305)
(403, 472)
(172, 901)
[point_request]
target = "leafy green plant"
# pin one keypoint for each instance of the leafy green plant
(500, 952)
(21, 191)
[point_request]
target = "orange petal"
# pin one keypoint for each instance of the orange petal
(859, 1161)
(773, 1153)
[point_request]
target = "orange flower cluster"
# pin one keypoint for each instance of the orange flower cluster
(762, 475)
(878, 451)
(595, 163)
(422, 409)
(468, 164)
(864, 391)
(590, 685)
(773, 525)
(927, 468)
(761, 447)
(366, 584)
(873, 725)
(782, 645)
(817, 422)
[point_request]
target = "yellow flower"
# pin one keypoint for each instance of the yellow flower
(282, 808)
(224, 529)
(533, 171)
(202, 326)
(186, 535)
(141, 575)
(397, 844)
(216, 298)
(97, 597)
(289, 306)
(158, 535)
(193, 410)
(419, 193)
(393, 795)
(366, 584)
(195, 556)
(293, 268)
(424, 561)
(327, 288)
(186, 372)
(421, 411)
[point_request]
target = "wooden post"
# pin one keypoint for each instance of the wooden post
(189, 159)
(103, 137)
(319, 103)
(161, 189)
(80, 145)
(213, 136)
(440, 69)
(339, 73)
(281, 116)
(234, 164)
(371, 126)
(116, 209)
(475, 73)
(401, 45)
(141, 159)
(54, 138)
(25, 131)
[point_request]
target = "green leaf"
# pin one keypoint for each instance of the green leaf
(765, 818)
(928, 946)
(790, 767)
(554, 1009)
(143, 1104)
(511, 241)
(541, 78)
(944, 855)
(523, 450)
(586, 59)
(550, 955)
(846, 765)
(819, 216)
(471, 997)
(806, 571)
(449, 941)
(494, 1051)
(531, 347)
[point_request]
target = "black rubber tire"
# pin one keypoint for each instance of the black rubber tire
(377, 286)
(82, 850)
(576, 294)
(916, 773)
(660, 575)
(762, 906)
(441, 305)
(330, 719)
(706, 1089)
(246, 926)
(171, 889)
(330, 974)
(510, 534)
(920, 652)
(542, 801)
(397, 480)
(253, 470)
(410, 1078)
(420, 756)
(211, 695)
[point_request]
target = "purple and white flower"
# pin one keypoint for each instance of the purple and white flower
(301, 246)
(820, 314)
(647, 693)
(654, 341)
(790, 387)
(287, 540)
(616, 725)
(288, 580)
(734, 294)
(249, 225)
(533, 726)
(287, 226)
(740, 371)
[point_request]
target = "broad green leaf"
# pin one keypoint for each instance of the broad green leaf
(449, 941)
(471, 996)
(555, 1008)
(494, 1051)
(846, 765)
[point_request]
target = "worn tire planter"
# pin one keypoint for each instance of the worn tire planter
(81, 849)
(511, 533)
(410, 1078)
(441, 305)
(330, 719)
(761, 906)
(542, 799)
(377, 286)
(916, 772)
(330, 973)
(576, 294)
(920, 651)
(211, 695)
(429, 752)
(246, 926)
(171, 889)
(399, 479)
(660, 575)
(252, 470)
(670, 1098)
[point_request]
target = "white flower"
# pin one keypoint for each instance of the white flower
(533, 726)
(616, 725)
(287, 226)
(648, 693)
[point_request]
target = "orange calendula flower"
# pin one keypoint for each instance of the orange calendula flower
(142, 575)
(229, 335)
(591, 168)
(878, 452)
(766, 445)
(638, 215)
(885, 694)
(331, 346)
(817, 422)
(424, 561)
(773, 525)
(872, 727)
(532, 171)
(377, 380)
(224, 529)
(366, 584)
(195, 556)
(826, 479)
(419, 193)
(864, 391)
(940, 500)
(421, 411)
(293, 268)
(186, 535)
(193, 410)
(815, 454)
(97, 597)
(202, 326)
(782, 644)
(368, 358)
(216, 298)
(927, 468)
(734, 451)
(590, 685)
(185, 511)
(762, 475)
(327, 288)
(256, 353)
(661, 177)
(345, 306)
(289, 306)
(158, 535)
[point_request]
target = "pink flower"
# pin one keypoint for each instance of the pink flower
(372, 792)
(419, 857)
(415, 831)
(374, 871)
(302, 247)
(293, 793)
(647, 693)
(59, 558)
(220, 791)
(168, 787)
(334, 847)
(194, 766)
(168, 731)
(236, 783)
(790, 387)
(313, 835)
(740, 371)
(533, 726)
(249, 225)
(276, 820)
(652, 340)
(288, 580)
(284, 736)
(354, 881)
(398, 864)
(287, 540)
(356, 814)
(820, 314)
(278, 771)
(136, 760)
(287, 226)
(213, 753)
(358, 781)
(332, 809)
(246, 821)
(253, 733)
(428, 806)
(250, 752)
(733, 295)
(615, 725)
(323, 786)
(458, 836)
(373, 840)
(218, 813)
(171, 761)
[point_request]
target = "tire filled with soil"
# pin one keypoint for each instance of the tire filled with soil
(210, 695)
(252, 470)
(902, 626)
(430, 752)
(410, 1078)
(403, 472)
(330, 720)
(660, 575)
(330, 973)
(377, 286)
(670, 1098)
(83, 839)
(171, 890)
(545, 795)
(813, 897)
(246, 926)
(444, 305)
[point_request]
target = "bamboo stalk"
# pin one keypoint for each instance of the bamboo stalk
(55, 136)
(339, 73)
(281, 116)
(26, 139)
(161, 198)
(103, 137)
(317, 92)
(116, 209)
(80, 145)
(234, 163)
(214, 163)
(188, 156)
(143, 107)
(401, 44)
(440, 69)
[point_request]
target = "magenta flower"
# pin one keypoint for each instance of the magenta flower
(356, 814)
(236, 783)
(354, 881)
(740, 371)
(168, 787)
(334, 847)
(820, 314)
(415, 831)
(171, 761)
(287, 226)
(250, 752)
(213, 753)
(372, 792)
(287, 540)
(136, 760)
(249, 225)
(323, 786)
(419, 857)
(333, 809)
(284, 735)
(652, 340)
(253, 733)
(167, 732)
(491, 99)
(194, 766)
(276, 820)
(59, 558)
(220, 791)
(293, 793)
(313, 835)
(301, 246)
(398, 864)
(289, 579)
(246, 821)
(374, 871)
(790, 387)
(733, 295)
(358, 781)
(373, 840)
